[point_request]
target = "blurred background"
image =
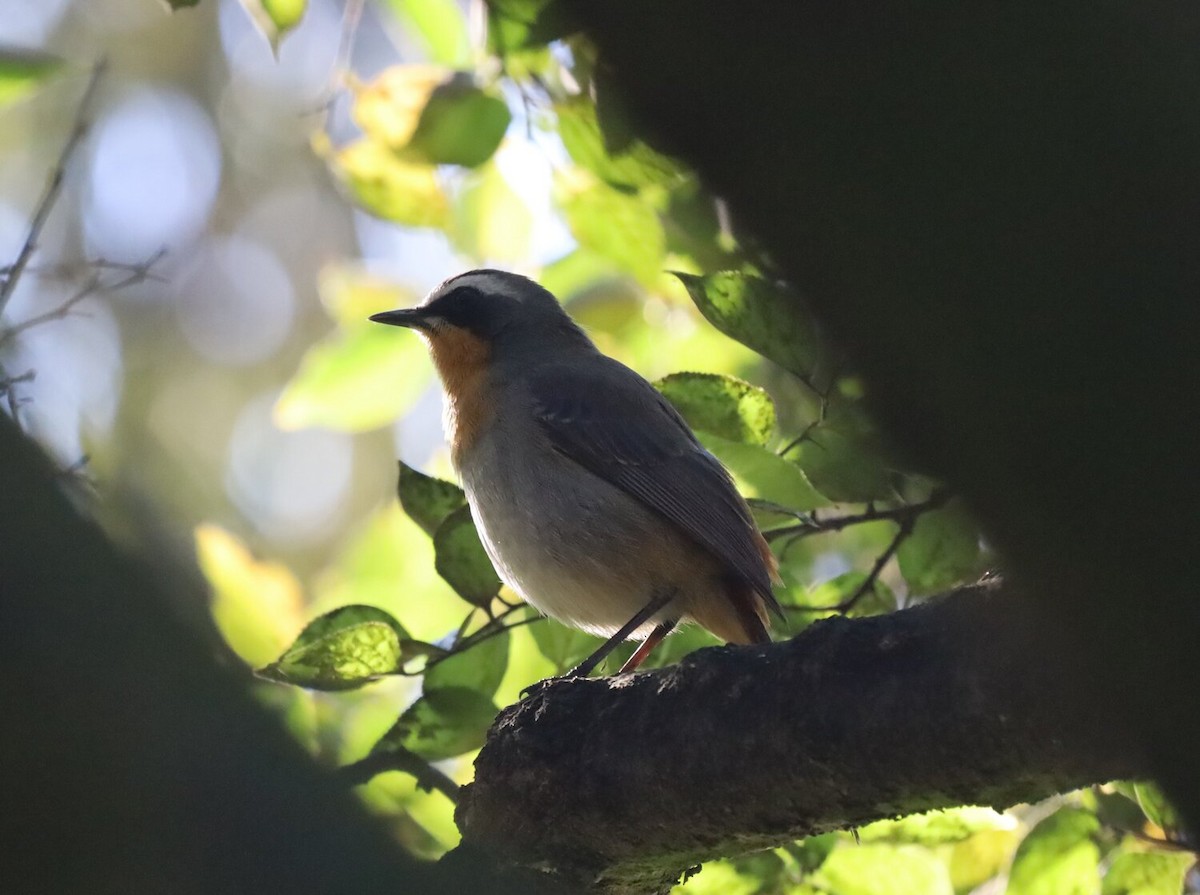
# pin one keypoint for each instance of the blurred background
(189, 341)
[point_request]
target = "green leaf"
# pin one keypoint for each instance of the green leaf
(565, 647)
(456, 710)
(1155, 805)
(391, 187)
(478, 665)
(181, 4)
(622, 228)
(721, 405)
(512, 24)
(341, 651)
(811, 852)
(440, 26)
(329, 624)
(762, 473)
(846, 468)
(427, 500)
(937, 827)
(1147, 873)
(1058, 857)
(491, 220)
(275, 18)
(360, 378)
(942, 550)
(883, 870)
(23, 71)
(462, 560)
(979, 858)
(763, 315)
(458, 723)
(637, 165)
(460, 125)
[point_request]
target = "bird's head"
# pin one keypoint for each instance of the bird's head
(488, 313)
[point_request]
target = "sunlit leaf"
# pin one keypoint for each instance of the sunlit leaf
(811, 852)
(440, 26)
(22, 71)
(937, 827)
(275, 18)
(636, 165)
(980, 857)
(843, 467)
(883, 870)
(256, 603)
(512, 23)
(622, 228)
(460, 124)
(761, 473)
(453, 715)
(1058, 857)
(391, 187)
(462, 561)
(942, 550)
(479, 666)
(457, 724)
(362, 375)
(389, 107)
(341, 650)
(1155, 805)
(721, 405)
(1147, 873)
(430, 115)
(344, 659)
(359, 378)
(762, 315)
(427, 500)
(324, 626)
(491, 220)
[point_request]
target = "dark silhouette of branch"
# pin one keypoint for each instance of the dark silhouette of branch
(400, 759)
(619, 784)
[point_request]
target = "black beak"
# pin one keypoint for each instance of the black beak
(414, 318)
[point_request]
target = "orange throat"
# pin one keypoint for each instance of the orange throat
(461, 359)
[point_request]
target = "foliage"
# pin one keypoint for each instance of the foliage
(412, 595)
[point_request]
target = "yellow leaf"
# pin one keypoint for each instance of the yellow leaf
(363, 375)
(388, 108)
(257, 604)
(392, 188)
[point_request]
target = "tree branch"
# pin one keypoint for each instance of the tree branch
(619, 784)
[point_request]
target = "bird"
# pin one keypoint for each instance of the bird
(593, 498)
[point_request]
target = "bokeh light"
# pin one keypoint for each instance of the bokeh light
(155, 170)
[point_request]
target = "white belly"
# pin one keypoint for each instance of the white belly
(570, 544)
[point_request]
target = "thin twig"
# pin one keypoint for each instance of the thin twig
(397, 758)
(53, 187)
(94, 286)
(904, 529)
(813, 525)
(351, 16)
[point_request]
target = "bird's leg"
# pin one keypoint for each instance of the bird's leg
(657, 602)
(648, 645)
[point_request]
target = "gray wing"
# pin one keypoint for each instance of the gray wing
(616, 425)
